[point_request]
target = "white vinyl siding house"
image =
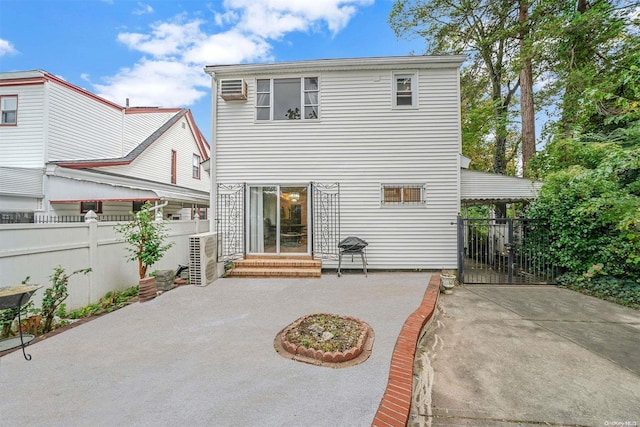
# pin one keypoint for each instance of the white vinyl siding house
(362, 141)
(69, 146)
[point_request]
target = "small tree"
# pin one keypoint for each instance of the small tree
(146, 239)
(56, 294)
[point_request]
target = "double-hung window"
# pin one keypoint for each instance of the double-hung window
(403, 194)
(196, 166)
(294, 98)
(405, 90)
(9, 109)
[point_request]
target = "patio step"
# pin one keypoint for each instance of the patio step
(263, 266)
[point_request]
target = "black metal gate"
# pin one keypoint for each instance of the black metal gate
(504, 251)
(230, 221)
(325, 219)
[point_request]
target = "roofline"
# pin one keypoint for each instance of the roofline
(370, 63)
(35, 77)
(133, 154)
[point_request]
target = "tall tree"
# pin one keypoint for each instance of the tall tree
(527, 106)
(485, 30)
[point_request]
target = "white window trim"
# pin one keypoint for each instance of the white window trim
(414, 90)
(423, 195)
(14, 123)
(196, 163)
(271, 99)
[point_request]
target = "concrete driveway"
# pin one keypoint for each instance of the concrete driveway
(205, 357)
(531, 356)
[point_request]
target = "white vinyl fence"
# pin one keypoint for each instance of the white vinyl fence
(34, 250)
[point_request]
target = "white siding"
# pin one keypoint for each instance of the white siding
(139, 126)
(360, 141)
(24, 182)
(154, 163)
(80, 127)
(23, 145)
(480, 186)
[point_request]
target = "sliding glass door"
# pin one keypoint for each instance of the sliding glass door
(278, 219)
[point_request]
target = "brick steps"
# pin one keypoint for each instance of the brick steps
(262, 266)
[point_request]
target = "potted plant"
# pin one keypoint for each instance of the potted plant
(146, 244)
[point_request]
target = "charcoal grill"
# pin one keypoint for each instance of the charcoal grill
(353, 246)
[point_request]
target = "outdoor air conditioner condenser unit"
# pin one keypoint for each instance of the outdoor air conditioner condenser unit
(203, 260)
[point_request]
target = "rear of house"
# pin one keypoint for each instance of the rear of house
(308, 153)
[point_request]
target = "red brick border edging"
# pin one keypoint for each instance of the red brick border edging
(396, 401)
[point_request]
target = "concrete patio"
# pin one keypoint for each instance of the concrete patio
(205, 357)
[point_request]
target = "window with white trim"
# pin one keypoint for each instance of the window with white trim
(405, 90)
(9, 109)
(403, 194)
(296, 98)
(196, 166)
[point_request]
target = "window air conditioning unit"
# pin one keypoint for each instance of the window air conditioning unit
(233, 90)
(203, 258)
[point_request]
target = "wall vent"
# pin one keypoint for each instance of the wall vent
(233, 90)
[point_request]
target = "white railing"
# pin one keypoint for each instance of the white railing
(34, 250)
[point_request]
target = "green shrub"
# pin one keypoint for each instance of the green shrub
(623, 291)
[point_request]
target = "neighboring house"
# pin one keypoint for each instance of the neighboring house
(308, 153)
(65, 151)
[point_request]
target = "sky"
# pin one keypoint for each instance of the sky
(154, 52)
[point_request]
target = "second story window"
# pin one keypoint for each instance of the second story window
(287, 99)
(174, 166)
(196, 166)
(9, 108)
(405, 90)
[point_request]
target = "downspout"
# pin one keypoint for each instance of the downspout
(157, 208)
(214, 158)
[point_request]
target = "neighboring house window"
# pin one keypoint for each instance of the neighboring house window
(403, 194)
(9, 108)
(288, 99)
(174, 166)
(137, 205)
(405, 88)
(91, 206)
(196, 166)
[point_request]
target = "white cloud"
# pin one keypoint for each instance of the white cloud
(170, 72)
(162, 83)
(143, 9)
(166, 38)
(6, 47)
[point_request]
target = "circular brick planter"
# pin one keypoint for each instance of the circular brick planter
(337, 359)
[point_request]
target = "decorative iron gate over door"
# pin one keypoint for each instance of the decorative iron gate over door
(325, 219)
(230, 221)
(504, 251)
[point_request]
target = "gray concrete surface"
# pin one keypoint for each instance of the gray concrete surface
(531, 356)
(205, 357)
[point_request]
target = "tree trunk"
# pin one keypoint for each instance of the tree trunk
(527, 108)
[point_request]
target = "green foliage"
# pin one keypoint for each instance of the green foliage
(56, 294)
(110, 302)
(594, 215)
(624, 291)
(561, 154)
(146, 239)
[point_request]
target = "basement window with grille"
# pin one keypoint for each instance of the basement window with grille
(403, 194)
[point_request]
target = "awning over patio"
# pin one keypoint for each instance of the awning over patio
(486, 188)
(70, 185)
